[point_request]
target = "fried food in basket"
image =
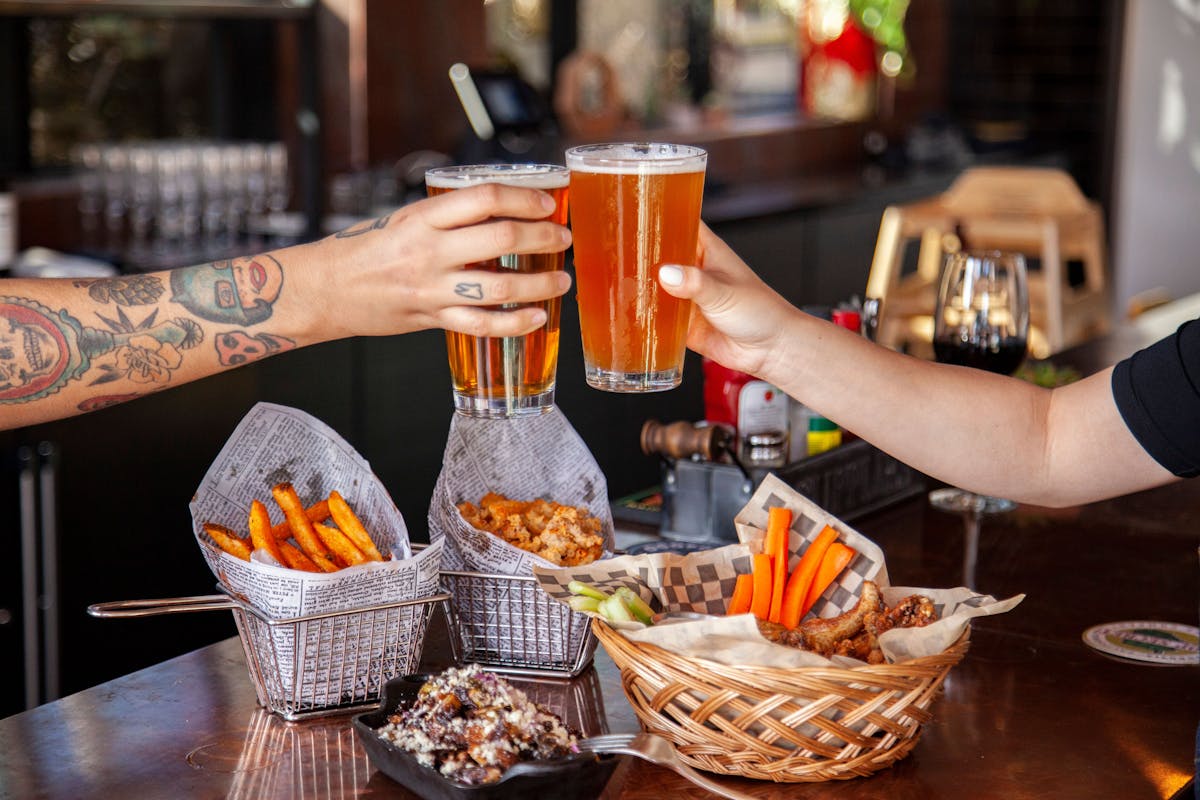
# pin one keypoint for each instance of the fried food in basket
(348, 523)
(260, 531)
(564, 535)
(302, 527)
(301, 541)
(344, 551)
(228, 541)
(856, 632)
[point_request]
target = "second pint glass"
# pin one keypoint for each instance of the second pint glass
(514, 375)
(634, 207)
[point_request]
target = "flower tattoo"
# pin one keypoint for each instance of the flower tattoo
(147, 360)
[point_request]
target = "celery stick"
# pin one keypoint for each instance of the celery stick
(586, 589)
(637, 606)
(614, 610)
(579, 603)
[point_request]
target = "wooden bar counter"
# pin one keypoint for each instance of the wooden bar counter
(1031, 712)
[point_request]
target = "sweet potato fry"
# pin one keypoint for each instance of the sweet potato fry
(349, 524)
(317, 512)
(260, 532)
(294, 558)
(302, 527)
(228, 541)
(343, 549)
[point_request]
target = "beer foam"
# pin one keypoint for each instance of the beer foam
(534, 176)
(640, 158)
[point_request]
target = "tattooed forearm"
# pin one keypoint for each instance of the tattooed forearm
(41, 351)
(238, 347)
(241, 291)
(363, 227)
(471, 291)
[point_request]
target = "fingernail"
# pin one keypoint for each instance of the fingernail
(539, 316)
(547, 202)
(670, 275)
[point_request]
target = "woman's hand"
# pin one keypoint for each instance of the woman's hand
(405, 271)
(737, 319)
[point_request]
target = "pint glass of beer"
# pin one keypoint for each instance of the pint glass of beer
(634, 207)
(514, 375)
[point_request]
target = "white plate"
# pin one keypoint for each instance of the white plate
(1141, 640)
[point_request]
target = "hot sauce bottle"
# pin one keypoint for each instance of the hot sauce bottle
(756, 411)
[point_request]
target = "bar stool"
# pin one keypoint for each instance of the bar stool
(1039, 212)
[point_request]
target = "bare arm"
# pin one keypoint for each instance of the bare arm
(977, 430)
(70, 346)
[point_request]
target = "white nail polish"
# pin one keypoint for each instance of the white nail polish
(670, 275)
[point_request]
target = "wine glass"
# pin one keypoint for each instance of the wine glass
(981, 320)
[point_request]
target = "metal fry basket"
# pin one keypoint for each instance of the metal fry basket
(317, 664)
(508, 624)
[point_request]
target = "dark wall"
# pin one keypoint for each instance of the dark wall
(1044, 71)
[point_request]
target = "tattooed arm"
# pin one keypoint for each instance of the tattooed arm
(70, 346)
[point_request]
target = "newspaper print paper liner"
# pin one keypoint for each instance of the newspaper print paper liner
(703, 581)
(273, 444)
(523, 458)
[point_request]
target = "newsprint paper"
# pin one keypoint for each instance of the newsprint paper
(524, 458)
(275, 444)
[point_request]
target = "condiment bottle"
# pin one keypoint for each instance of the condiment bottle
(743, 402)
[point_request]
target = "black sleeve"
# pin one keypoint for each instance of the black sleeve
(1157, 391)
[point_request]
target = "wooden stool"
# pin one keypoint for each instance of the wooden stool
(1035, 211)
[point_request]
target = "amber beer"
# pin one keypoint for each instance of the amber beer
(634, 207)
(509, 376)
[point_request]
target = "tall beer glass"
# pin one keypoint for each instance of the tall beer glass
(634, 207)
(513, 375)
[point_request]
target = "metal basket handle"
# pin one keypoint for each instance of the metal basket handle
(167, 605)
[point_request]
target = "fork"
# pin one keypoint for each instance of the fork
(657, 750)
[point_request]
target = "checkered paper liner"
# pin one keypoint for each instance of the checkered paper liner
(703, 581)
(808, 520)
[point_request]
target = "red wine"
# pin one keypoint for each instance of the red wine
(1003, 357)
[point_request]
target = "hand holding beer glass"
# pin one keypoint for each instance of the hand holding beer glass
(513, 375)
(634, 207)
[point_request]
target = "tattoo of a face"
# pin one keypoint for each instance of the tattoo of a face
(363, 227)
(238, 347)
(471, 291)
(128, 290)
(41, 351)
(241, 291)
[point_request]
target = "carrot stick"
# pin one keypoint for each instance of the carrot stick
(836, 559)
(743, 593)
(761, 602)
(778, 521)
(797, 587)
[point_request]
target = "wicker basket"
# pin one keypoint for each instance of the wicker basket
(785, 725)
